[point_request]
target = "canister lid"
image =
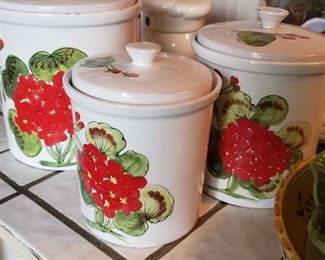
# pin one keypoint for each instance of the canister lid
(64, 6)
(268, 40)
(142, 75)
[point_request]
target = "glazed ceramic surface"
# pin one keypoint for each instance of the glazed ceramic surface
(143, 147)
(293, 209)
(172, 23)
(39, 41)
(268, 116)
(316, 225)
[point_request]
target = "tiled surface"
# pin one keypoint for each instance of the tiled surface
(232, 233)
(5, 189)
(47, 236)
(46, 217)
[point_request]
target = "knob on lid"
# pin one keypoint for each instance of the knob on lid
(142, 75)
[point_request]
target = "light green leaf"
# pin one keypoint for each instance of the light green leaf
(295, 158)
(133, 224)
(85, 195)
(29, 144)
(99, 216)
(44, 65)
(14, 68)
(296, 134)
(233, 105)
(107, 139)
(233, 183)
(255, 39)
(265, 191)
(157, 203)
(97, 62)
(271, 110)
(134, 163)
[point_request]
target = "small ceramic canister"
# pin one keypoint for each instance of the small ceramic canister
(41, 40)
(143, 149)
(269, 113)
(172, 23)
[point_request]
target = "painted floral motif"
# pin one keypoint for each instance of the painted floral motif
(108, 64)
(115, 185)
(42, 116)
(258, 39)
(244, 149)
(1, 44)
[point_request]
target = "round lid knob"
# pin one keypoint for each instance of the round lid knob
(271, 17)
(143, 53)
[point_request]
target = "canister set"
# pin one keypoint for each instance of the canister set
(146, 129)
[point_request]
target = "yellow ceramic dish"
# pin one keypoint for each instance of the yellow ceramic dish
(292, 210)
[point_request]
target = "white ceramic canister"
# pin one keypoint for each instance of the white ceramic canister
(268, 116)
(172, 23)
(41, 40)
(142, 152)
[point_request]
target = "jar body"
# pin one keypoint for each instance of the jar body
(37, 49)
(264, 124)
(162, 151)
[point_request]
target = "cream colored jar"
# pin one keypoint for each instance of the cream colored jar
(172, 23)
(143, 149)
(269, 114)
(42, 39)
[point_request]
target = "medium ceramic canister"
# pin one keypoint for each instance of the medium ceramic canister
(143, 148)
(172, 23)
(269, 114)
(40, 40)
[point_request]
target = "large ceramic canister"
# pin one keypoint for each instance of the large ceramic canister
(269, 114)
(143, 148)
(172, 23)
(39, 41)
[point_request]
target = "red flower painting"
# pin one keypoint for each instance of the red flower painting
(112, 189)
(43, 109)
(252, 152)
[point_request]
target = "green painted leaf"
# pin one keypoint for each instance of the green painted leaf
(107, 139)
(233, 183)
(14, 68)
(266, 191)
(295, 158)
(157, 203)
(44, 65)
(271, 110)
(295, 134)
(99, 216)
(85, 195)
(233, 105)
(133, 224)
(255, 39)
(134, 163)
(97, 62)
(29, 144)
(104, 228)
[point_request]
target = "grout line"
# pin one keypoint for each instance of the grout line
(37, 181)
(60, 216)
(4, 151)
(74, 226)
(9, 197)
(168, 247)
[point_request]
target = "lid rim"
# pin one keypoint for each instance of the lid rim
(248, 40)
(60, 7)
(143, 110)
(71, 20)
(255, 65)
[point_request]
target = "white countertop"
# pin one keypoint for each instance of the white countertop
(40, 218)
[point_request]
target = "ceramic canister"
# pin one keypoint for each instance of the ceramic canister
(172, 23)
(268, 116)
(40, 40)
(143, 149)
